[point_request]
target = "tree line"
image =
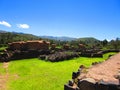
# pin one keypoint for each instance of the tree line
(8, 37)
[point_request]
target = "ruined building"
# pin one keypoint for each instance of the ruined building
(29, 45)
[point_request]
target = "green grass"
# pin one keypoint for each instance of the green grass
(2, 48)
(35, 74)
(106, 56)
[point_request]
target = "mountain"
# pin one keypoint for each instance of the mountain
(17, 32)
(2, 31)
(6, 37)
(59, 38)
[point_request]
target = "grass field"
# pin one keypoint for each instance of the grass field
(35, 74)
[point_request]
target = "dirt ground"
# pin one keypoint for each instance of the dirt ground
(4, 78)
(106, 70)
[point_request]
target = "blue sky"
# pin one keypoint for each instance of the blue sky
(73, 18)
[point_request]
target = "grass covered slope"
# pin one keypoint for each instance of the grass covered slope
(35, 74)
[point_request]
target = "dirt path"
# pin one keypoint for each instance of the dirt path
(105, 70)
(4, 78)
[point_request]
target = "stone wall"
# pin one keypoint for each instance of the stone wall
(37, 45)
(29, 45)
(82, 83)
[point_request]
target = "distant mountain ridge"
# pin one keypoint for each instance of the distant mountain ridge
(2, 31)
(62, 38)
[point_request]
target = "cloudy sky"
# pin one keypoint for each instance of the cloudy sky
(73, 18)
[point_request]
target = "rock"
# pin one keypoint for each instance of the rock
(113, 87)
(102, 86)
(75, 74)
(71, 83)
(67, 87)
(87, 84)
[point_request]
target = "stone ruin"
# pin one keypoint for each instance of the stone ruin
(24, 50)
(53, 46)
(29, 45)
(80, 82)
(66, 46)
(43, 50)
(59, 56)
(104, 77)
(82, 47)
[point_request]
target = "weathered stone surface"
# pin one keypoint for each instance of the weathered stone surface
(102, 87)
(66, 46)
(29, 45)
(70, 83)
(86, 85)
(67, 87)
(113, 87)
(60, 56)
(75, 74)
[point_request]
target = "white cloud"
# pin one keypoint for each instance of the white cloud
(24, 26)
(5, 23)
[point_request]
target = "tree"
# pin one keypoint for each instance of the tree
(115, 44)
(104, 42)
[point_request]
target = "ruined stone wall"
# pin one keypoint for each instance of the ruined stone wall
(79, 82)
(16, 45)
(66, 46)
(29, 45)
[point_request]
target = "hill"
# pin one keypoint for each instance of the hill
(89, 41)
(6, 37)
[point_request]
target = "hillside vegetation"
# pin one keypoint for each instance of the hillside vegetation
(7, 37)
(89, 42)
